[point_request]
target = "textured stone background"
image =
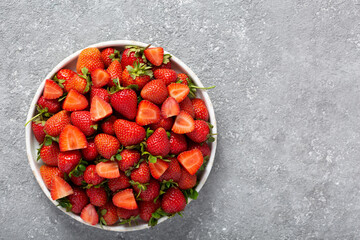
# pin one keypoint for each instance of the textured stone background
(287, 106)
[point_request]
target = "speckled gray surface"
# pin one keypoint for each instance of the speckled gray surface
(287, 106)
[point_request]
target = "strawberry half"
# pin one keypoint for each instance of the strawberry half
(184, 123)
(89, 214)
(52, 90)
(170, 108)
(99, 109)
(178, 91)
(125, 199)
(100, 78)
(60, 188)
(158, 168)
(75, 101)
(108, 169)
(155, 55)
(71, 138)
(48, 173)
(191, 160)
(147, 113)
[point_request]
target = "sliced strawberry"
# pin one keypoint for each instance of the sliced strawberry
(184, 123)
(125, 199)
(170, 108)
(100, 78)
(147, 113)
(60, 188)
(75, 101)
(89, 214)
(71, 138)
(178, 91)
(108, 169)
(157, 169)
(191, 160)
(155, 55)
(99, 109)
(52, 90)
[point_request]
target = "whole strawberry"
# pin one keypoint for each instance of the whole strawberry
(183, 78)
(90, 153)
(125, 102)
(100, 92)
(147, 208)
(166, 75)
(37, 127)
(173, 172)
(82, 120)
(115, 70)
(48, 173)
(138, 74)
(107, 126)
(151, 192)
(67, 161)
(57, 123)
(49, 154)
(64, 76)
(165, 123)
(178, 143)
(131, 55)
(97, 196)
(126, 213)
(106, 145)
(129, 157)
(200, 109)
(158, 143)
(200, 133)
(187, 180)
(141, 174)
(89, 58)
(204, 148)
(116, 184)
(91, 177)
(173, 201)
(129, 133)
(108, 55)
(78, 83)
(110, 217)
(78, 200)
(186, 105)
(155, 91)
(78, 181)
(52, 105)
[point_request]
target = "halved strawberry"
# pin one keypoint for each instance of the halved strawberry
(147, 113)
(100, 78)
(191, 160)
(170, 108)
(52, 90)
(178, 91)
(125, 199)
(75, 101)
(71, 138)
(60, 188)
(99, 109)
(157, 169)
(184, 123)
(48, 173)
(89, 214)
(155, 55)
(108, 169)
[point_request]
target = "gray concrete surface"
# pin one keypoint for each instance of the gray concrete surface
(287, 105)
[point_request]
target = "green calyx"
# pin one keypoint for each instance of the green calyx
(140, 186)
(166, 58)
(132, 219)
(59, 81)
(159, 213)
(118, 87)
(139, 51)
(65, 203)
(79, 169)
(139, 69)
(190, 193)
(115, 56)
(193, 87)
(86, 75)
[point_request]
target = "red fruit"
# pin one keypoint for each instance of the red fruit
(38, 130)
(147, 113)
(158, 143)
(90, 153)
(151, 192)
(187, 180)
(173, 172)
(97, 196)
(129, 133)
(53, 105)
(66, 75)
(82, 120)
(100, 78)
(200, 109)
(129, 158)
(167, 75)
(191, 160)
(91, 176)
(125, 102)
(200, 133)
(155, 55)
(77, 83)
(108, 55)
(131, 55)
(165, 64)
(108, 125)
(100, 92)
(108, 169)
(139, 74)
(67, 161)
(170, 108)
(57, 123)
(155, 91)
(165, 123)
(115, 70)
(119, 183)
(178, 143)
(89, 58)
(75, 101)
(71, 138)
(183, 78)
(147, 208)
(106, 145)
(78, 200)
(78, 181)
(204, 148)
(173, 201)
(60, 188)
(99, 109)
(126, 214)
(49, 154)
(125, 199)
(186, 105)
(141, 174)
(48, 173)
(184, 123)
(110, 216)
(158, 169)
(89, 214)
(52, 90)
(178, 91)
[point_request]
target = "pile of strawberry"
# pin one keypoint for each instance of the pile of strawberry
(121, 138)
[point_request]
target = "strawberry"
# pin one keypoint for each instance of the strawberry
(49, 154)
(100, 78)
(99, 109)
(125, 199)
(38, 130)
(178, 91)
(52, 90)
(100, 92)
(107, 126)
(57, 123)
(64, 76)
(167, 75)
(78, 83)
(125, 102)
(200, 133)
(186, 105)
(129, 158)
(141, 174)
(204, 148)
(119, 183)
(191, 160)
(67, 161)
(108, 169)
(173, 201)
(131, 55)
(151, 192)
(158, 168)
(147, 113)
(129, 133)
(200, 109)
(158, 143)
(78, 181)
(106, 145)
(71, 138)
(89, 58)
(89, 214)
(97, 196)
(60, 188)
(91, 176)
(78, 200)
(48, 173)
(90, 153)
(110, 217)
(126, 214)
(187, 180)
(108, 55)
(183, 78)
(147, 208)
(165, 64)
(138, 74)
(178, 143)
(155, 55)
(173, 172)
(75, 101)
(115, 70)
(184, 123)
(52, 105)
(82, 120)
(165, 123)
(155, 91)
(170, 108)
